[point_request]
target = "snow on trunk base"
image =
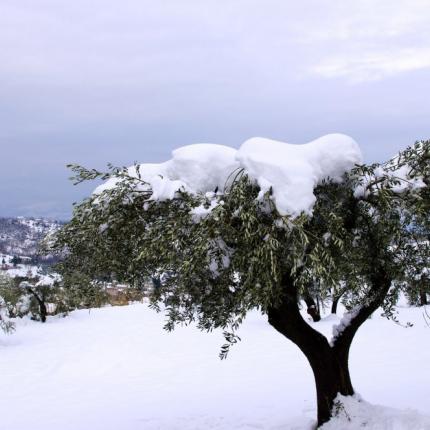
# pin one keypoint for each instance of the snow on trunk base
(353, 413)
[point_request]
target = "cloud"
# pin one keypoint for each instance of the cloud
(352, 21)
(373, 66)
(103, 80)
(369, 41)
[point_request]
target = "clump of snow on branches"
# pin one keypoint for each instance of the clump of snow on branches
(203, 211)
(396, 172)
(288, 172)
(48, 280)
(221, 256)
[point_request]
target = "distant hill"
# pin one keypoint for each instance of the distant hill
(22, 236)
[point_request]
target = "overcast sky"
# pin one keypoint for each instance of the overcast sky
(98, 81)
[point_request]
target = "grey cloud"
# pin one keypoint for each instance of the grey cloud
(93, 82)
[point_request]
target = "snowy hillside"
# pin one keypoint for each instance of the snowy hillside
(115, 368)
(21, 236)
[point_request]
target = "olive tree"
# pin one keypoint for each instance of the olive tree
(218, 255)
(5, 324)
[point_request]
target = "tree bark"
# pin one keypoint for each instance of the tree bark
(43, 310)
(336, 299)
(329, 363)
(313, 309)
(334, 305)
(423, 298)
(337, 295)
(329, 366)
(42, 306)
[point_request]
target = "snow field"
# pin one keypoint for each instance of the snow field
(115, 368)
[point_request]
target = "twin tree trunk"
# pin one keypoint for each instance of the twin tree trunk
(336, 298)
(43, 312)
(313, 308)
(423, 297)
(329, 363)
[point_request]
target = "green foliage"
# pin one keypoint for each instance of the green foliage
(17, 299)
(80, 292)
(5, 325)
(20, 297)
(9, 294)
(216, 266)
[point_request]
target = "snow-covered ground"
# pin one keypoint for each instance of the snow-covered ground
(24, 270)
(115, 368)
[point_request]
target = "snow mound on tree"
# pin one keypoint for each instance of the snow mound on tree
(203, 167)
(197, 168)
(293, 171)
(290, 172)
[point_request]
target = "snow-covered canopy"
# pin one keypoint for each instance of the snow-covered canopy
(291, 171)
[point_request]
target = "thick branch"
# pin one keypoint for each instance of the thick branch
(380, 284)
(287, 319)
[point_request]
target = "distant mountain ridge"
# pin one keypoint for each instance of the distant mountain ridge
(21, 236)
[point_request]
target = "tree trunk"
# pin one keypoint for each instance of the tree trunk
(43, 310)
(337, 295)
(313, 309)
(334, 305)
(42, 306)
(329, 365)
(423, 298)
(331, 373)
